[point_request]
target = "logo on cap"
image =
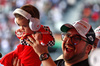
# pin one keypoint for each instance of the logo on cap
(91, 38)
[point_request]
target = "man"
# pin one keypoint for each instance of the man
(94, 46)
(77, 43)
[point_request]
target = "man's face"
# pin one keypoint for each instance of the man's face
(95, 43)
(71, 52)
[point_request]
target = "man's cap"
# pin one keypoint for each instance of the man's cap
(97, 32)
(83, 28)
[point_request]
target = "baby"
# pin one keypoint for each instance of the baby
(27, 18)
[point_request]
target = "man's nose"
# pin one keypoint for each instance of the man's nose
(68, 40)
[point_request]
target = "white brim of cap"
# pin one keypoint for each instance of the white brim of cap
(66, 27)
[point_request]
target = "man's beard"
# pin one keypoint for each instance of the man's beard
(75, 57)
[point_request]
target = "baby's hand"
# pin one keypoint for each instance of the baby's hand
(17, 62)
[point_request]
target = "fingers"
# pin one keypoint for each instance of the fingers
(38, 36)
(29, 42)
(18, 62)
(15, 61)
(21, 64)
(34, 38)
(33, 41)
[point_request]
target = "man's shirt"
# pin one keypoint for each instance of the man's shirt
(61, 62)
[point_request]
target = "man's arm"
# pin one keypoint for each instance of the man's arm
(39, 49)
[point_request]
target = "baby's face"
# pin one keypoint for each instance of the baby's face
(24, 25)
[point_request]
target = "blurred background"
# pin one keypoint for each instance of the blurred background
(54, 13)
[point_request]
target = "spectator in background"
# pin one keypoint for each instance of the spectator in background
(77, 43)
(97, 32)
(94, 58)
(95, 44)
(5, 46)
(95, 13)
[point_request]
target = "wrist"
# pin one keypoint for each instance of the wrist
(44, 56)
(42, 53)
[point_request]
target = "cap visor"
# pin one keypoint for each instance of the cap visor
(66, 27)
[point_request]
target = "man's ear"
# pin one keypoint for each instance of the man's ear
(88, 48)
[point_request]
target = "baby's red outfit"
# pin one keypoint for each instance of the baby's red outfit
(26, 53)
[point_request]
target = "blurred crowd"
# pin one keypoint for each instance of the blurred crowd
(91, 12)
(52, 12)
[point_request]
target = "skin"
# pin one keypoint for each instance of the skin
(74, 54)
(93, 48)
(78, 52)
(17, 62)
(39, 49)
(24, 27)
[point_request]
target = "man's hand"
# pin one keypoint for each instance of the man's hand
(35, 43)
(40, 49)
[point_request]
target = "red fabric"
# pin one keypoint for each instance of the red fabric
(46, 35)
(25, 53)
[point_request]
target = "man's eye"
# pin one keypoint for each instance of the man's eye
(76, 38)
(68, 36)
